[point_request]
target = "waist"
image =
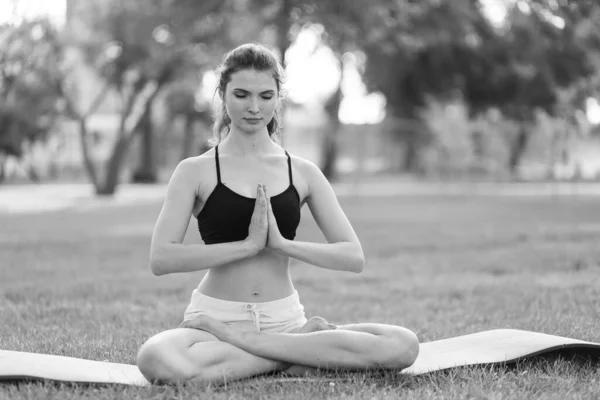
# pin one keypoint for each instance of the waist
(260, 279)
(222, 305)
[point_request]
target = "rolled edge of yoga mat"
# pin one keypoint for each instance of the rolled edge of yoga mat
(497, 346)
(17, 365)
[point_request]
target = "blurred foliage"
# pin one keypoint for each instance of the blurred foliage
(419, 54)
(31, 74)
(412, 51)
(148, 37)
(139, 48)
(449, 49)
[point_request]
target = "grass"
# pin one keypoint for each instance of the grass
(77, 283)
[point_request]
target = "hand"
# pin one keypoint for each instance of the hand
(258, 229)
(275, 240)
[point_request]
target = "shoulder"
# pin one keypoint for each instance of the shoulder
(195, 166)
(192, 171)
(304, 165)
(310, 172)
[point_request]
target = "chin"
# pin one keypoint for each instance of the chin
(252, 129)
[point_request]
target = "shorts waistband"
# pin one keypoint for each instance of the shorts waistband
(225, 305)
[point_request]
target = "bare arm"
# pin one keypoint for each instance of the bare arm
(167, 253)
(342, 251)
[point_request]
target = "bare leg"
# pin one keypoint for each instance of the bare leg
(352, 347)
(181, 354)
(313, 325)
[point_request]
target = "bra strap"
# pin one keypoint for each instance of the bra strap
(289, 167)
(217, 163)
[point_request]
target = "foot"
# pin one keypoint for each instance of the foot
(312, 325)
(316, 324)
(211, 325)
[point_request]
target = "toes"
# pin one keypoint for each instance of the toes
(318, 320)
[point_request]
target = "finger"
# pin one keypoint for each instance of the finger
(270, 210)
(262, 199)
(258, 196)
(267, 198)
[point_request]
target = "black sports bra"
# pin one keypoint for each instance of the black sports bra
(226, 214)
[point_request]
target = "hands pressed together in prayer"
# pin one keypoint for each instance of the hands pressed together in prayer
(263, 230)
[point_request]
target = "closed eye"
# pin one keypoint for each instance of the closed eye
(242, 96)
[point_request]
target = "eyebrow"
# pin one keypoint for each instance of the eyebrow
(263, 92)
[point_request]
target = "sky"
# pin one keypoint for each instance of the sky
(312, 72)
(56, 9)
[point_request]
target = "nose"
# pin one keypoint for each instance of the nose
(253, 106)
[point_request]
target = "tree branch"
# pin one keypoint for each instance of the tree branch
(98, 100)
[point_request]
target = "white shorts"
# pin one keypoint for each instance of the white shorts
(278, 316)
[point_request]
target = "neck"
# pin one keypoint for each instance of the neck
(243, 144)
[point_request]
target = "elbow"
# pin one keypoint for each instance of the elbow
(156, 267)
(359, 262)
(157, 263)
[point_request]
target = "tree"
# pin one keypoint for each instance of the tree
(342, 22)
(138, 49)
(31, 55)
(390, 33)
(181, 102)
(447, 49)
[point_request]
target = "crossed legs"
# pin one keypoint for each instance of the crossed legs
(216, 353)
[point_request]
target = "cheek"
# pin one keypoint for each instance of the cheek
(269, 107)
(234, 107)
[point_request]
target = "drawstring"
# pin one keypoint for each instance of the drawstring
(255, 315)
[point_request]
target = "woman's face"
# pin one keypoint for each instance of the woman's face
(250, 99)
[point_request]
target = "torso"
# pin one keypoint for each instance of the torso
(266, 276)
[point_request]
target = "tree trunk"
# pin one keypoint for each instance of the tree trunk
(517, 150)
(32, 173)
(411, 154)
(111, 180)
(2, 170)
(88, 163)
(284, 24)
(330, 153)
(188, 147)
(330, 138)
(283, 29)
(146, 171)
(130, 125)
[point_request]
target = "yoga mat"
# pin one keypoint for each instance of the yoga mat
(488, 347)
(493, 347)
(18, 365)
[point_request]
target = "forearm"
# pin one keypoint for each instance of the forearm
(176, 257)
(341, 256)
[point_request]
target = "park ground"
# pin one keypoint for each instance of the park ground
(442, 259)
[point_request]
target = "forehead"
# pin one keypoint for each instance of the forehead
(252, 80)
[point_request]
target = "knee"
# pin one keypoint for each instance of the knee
(403, 351)
(160, 362)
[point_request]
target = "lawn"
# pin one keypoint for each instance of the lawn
(76, 282)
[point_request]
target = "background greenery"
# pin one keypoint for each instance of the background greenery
(116, 87)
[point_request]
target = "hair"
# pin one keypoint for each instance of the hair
(254, 57)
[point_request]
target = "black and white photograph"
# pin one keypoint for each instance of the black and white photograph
(290, 199)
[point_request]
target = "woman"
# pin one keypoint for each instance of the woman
(245, 317)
